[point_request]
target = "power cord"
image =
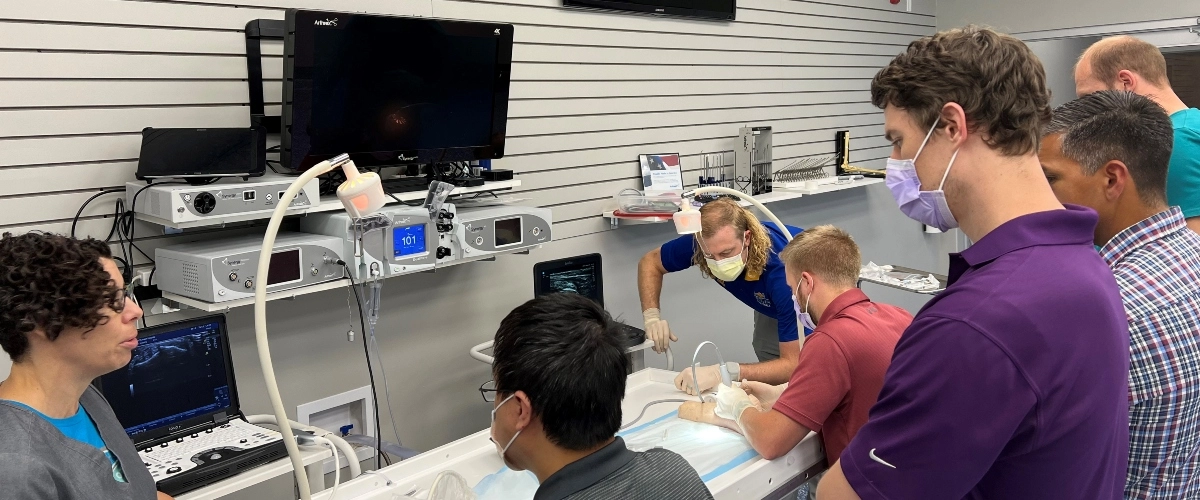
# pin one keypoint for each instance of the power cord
(78, 214)
(370, 371)
(127, 222)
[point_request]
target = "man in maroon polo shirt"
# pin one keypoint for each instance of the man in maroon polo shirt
(1011, 383)
(843, 361)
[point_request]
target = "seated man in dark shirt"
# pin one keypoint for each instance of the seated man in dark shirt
(560, 372)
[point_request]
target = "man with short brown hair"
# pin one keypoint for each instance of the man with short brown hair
(1126, 63)
(1010, 383)
(842, 363)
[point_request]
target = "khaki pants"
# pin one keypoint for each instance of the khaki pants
(766, 337)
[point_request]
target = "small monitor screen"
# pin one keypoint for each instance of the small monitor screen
(408, 240)
(173, 376)
(508, 231)
(582, 279)
(285, 267)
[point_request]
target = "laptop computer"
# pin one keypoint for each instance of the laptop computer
(177, 400)
(583, 275)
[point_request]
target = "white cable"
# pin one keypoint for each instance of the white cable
(260, 322)
(648, 405)
(477, 352)
(337, 465)
(670, 359)
(341, 444)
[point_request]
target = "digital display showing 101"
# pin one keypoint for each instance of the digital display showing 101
(408, 240)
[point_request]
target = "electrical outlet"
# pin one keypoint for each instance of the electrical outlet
(354, 407)
(143, 277)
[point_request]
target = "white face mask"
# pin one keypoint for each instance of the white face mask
(725, 269)
(491, 433)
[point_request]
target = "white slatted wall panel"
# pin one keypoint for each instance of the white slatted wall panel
(80, 78)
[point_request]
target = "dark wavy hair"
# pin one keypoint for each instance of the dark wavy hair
(51, 283)
(997, 80)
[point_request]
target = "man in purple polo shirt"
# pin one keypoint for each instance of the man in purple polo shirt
(1010, 384)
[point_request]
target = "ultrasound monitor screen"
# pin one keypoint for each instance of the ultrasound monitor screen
(173, 376)
(583, 279)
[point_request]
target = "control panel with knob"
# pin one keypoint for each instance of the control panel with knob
(226, 269)
(394, 241)
(485, 231)
(181, 206)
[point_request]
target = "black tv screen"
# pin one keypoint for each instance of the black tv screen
(710, 9)
(393, 90)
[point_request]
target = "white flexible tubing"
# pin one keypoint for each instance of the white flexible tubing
(476, 352)
(341, 444)
(751, 200)
(260, 323)
(337, 465)
(670, 359)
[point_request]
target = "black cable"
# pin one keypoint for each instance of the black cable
(118, 209)
(131, 219)
(75, 221)
(370, 371)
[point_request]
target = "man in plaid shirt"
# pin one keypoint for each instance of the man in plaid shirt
(1109, 151)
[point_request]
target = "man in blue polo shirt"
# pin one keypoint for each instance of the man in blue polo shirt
(1012, 382)
(741, 254)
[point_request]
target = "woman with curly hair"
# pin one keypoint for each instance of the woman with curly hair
(65, 319)
(741, 254)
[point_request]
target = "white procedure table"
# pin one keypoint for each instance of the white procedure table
(474, 457)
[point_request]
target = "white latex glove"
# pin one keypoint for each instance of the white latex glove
(731, 402)
(767, 394)
(657, 330)
(709, 377)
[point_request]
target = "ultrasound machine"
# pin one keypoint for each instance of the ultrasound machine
(177, 400)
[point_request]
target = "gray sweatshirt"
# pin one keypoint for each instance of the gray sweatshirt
(37, 462)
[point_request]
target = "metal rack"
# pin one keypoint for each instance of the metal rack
(908, 270)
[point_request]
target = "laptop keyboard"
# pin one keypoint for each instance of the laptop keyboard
(188, 452)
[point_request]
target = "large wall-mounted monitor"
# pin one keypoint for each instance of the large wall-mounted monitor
(393, 90)
(707, 9)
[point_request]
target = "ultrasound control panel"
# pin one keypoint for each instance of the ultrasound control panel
(207, 447)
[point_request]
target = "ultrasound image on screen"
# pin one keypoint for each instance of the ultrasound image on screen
(173, 376)
(582, 280)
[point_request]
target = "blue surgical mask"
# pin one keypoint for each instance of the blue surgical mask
(802, 316)
(927, 207)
